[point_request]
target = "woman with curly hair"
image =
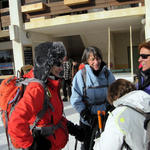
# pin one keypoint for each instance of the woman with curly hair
(124, 127)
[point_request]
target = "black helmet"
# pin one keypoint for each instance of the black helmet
(47, 55)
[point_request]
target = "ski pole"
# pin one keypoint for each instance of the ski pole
(99, 120)
(93, 135)
(76, 143)
(103, 120)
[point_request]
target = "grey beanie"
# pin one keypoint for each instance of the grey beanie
(47, 55)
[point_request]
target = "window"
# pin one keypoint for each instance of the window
(28, 56)
(4, 3)
(6, 62)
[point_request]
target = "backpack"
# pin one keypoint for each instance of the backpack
(11, 91)
(146, 125)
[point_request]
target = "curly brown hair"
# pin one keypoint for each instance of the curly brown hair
(119, 88)
(145, 44)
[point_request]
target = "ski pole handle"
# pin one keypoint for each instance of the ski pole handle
(99, 120)
(103, 113)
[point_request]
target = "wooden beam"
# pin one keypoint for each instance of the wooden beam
(33, 7)
(4, 33)
(75, 2)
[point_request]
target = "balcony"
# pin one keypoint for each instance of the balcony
(53, 8)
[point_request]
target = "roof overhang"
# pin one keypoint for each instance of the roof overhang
(117, 20)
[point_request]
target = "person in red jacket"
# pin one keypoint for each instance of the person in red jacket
(48, 68)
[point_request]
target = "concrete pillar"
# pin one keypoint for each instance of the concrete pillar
(112, 62)
(109, 49)
(142, 33)
(147, 18)
(15, 33)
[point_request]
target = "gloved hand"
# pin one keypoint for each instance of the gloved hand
(39, 143)
(86, 115)
(76, 131)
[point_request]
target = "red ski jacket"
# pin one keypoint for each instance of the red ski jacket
(26, 111)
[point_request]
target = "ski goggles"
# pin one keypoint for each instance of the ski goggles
(144, 56)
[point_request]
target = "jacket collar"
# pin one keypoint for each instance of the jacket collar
(136, 99)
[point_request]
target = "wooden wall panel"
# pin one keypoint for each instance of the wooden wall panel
(4, 17)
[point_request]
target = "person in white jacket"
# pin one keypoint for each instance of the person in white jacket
(124, 127)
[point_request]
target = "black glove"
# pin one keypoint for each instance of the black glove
(76, 131)
(40, 143)
(86, 115)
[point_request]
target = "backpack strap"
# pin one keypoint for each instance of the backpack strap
(125, 145)
(46, 105)
(136, 109)
(146, 124)
(106, 73)
(84, 82)
(28, 80)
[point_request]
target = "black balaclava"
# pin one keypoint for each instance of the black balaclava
(47, 55)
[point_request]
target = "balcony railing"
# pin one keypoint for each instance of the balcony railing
(52, 8)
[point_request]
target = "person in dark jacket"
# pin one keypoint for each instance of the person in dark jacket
(67, 79)
(48, 69)
(144, 71)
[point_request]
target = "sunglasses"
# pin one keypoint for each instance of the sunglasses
(144, 56)
(58, 64)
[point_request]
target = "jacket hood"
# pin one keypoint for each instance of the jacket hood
(136, 99)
